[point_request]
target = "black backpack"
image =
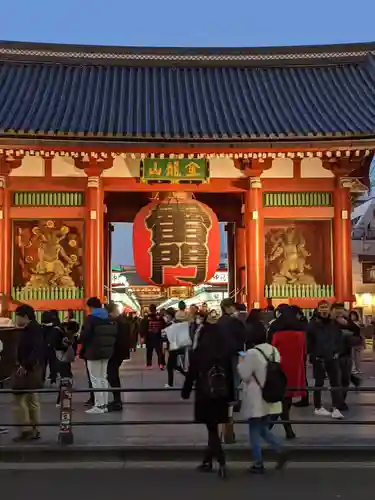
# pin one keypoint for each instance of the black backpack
(216, 385)
(275, 385)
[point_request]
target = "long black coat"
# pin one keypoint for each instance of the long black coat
(209, 352)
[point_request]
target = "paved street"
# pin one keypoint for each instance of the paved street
(161, 406)
(185, 483)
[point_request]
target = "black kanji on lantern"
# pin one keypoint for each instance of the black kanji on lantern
(179, 238)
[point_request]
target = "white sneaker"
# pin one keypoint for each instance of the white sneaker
(95, 411)
(322, 412)
(337, 414)
(167, 386)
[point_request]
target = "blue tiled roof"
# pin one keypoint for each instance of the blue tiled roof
(214, 96)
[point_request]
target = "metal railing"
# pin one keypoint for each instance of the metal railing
(66, 423)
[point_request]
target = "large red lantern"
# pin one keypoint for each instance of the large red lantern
(176, 242)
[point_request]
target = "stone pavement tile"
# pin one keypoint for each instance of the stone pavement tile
(167, 405)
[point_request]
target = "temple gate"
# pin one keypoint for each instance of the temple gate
(280, 162)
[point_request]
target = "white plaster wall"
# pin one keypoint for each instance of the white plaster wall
(124, 167)
(63, 166)
(281, 168)
(32, 166)
(220, 168)
(311, 168)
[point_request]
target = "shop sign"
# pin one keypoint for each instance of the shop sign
(219, 278)
(174, 171)
(180, 292)
(118, 279)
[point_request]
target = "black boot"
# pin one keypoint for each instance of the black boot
(205, 466)
(302, 403)
(289, 432)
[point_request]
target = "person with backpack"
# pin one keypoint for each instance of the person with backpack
(178, 341)
(264, 386)
(98, 338)
(211, 374)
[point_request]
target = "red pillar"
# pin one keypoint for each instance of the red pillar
(342, 252)
(5, 243)
(254, 229)
(94, 265)
(240, 263)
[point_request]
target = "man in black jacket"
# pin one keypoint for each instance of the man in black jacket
(324, 345)
(151, 328)
(29, 374)
(120, 353)
(98, 337)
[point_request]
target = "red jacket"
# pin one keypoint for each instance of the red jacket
(291, 345)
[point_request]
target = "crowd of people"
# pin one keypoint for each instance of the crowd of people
(254, 362)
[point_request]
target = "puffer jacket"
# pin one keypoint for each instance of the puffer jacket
(98, 336)
(324, 339)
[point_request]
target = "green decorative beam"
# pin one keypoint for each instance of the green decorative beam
(48, 199)
(52, 293)
(297, 199)
(315, 291)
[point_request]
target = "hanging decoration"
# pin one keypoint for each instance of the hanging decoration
(176, 242)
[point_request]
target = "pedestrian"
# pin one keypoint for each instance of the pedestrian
(210, 372)
(241, 312)
(324, 344)
(254, 327)
(51, 328)
(151, 328)
(290, 341)
(178, 339)
(61, 342)
(3, 430)
(193, 313)
(98, 337)
(233, 332)
(28, 374)
(121, 352)
(252, 368)
(351, 337)
(357, 349)
(182, 312)
(302, 320)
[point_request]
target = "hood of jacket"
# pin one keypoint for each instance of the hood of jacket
(100, 313)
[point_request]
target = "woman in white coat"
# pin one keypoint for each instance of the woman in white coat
(252, 369)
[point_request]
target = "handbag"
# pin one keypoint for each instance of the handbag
(67, 356)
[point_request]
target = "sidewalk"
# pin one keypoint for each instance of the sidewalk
(168, 406)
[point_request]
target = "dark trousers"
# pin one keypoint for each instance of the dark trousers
(113, 375)
(305, 398)
(52, 363)
(173, 365)
(154, 344)
(92, 396)
(285, 415)
(346, 376)
(65, 370)
(321, 367)
(214, 449)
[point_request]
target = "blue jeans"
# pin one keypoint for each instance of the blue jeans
(258, 430)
